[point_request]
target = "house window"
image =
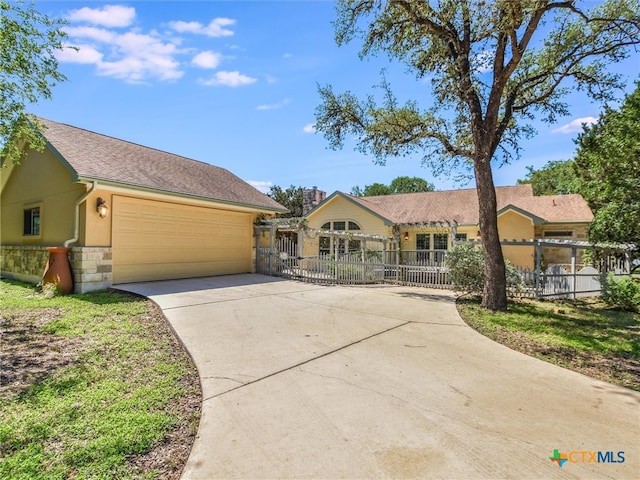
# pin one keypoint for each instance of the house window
(423, 245)
(328, 245)
(461, 237)
(339, 226)
(423, 241)
(325, 245)
(354, 246)
(440, 241)
(31, 221)
(558, 233)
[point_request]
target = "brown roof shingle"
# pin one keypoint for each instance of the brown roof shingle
(93, 156)
(461, 206)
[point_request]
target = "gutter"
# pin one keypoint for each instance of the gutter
(76, 228)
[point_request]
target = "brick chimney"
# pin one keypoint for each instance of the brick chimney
(311, 198)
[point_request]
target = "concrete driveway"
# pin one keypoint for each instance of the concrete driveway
(324, 382)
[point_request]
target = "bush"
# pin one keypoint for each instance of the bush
(623, 294)
(466, 270)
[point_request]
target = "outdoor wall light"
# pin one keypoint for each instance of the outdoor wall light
(102, 208)
(406, 236)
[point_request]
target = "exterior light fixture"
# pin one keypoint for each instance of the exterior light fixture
(406, 236)
(102, 208)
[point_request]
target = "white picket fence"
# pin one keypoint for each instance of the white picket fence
(366, 268)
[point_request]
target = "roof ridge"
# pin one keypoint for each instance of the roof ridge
(457, 190)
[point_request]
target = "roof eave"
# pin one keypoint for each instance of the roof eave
(141, 188)
(387, 222)
(534, 218)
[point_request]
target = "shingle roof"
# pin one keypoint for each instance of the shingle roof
(93, 156)
(461, 206)
(556, 208)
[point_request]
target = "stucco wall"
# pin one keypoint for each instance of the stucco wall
(515, 226)
(42, 181)
(340, 209)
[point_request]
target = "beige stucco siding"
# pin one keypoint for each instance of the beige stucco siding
(39, 181)
(155, 240)
(515, 226)
(340, 209)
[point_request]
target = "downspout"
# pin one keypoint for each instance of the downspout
(76, 229)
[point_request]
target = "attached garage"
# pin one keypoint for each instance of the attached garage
(126, 212)
(155, 240)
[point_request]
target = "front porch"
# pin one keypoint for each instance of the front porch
(357, 258)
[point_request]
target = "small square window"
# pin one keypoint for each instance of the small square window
(31, 221)
(339, 226)
(461, 237)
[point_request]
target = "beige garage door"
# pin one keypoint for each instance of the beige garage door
(157, 241)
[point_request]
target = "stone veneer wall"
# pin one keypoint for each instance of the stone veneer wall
(91, 266)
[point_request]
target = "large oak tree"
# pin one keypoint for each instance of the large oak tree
(493, 67)
(28, 72)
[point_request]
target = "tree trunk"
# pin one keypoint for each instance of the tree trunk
(494, 295)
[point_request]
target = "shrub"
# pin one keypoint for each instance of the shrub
(466, 270)
(623, 294)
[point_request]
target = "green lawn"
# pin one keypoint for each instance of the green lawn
(92, 386)
(582, 335)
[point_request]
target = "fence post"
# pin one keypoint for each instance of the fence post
(271, 247)
(573, 271)
(538, 267)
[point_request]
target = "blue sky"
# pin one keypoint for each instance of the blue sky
(234, 84)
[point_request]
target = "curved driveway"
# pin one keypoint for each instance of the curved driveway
(323, 382)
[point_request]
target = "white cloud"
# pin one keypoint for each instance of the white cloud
(309, 128)
(91, 33)
(108, 16)
(274, 106)
(228, 79)
(215, 28)
(264, 187)
(207, 59)
(131, 56)
(575, 126)
(136, 56)
(84, 54)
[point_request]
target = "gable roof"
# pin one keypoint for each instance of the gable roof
(555, 208)
(92, 156)
(461, 206)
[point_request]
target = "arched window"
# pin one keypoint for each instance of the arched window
(328, 245)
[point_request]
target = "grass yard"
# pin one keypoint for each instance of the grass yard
(92, 386)
(582, 335)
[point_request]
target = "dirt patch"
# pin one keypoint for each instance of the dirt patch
(28, 353)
